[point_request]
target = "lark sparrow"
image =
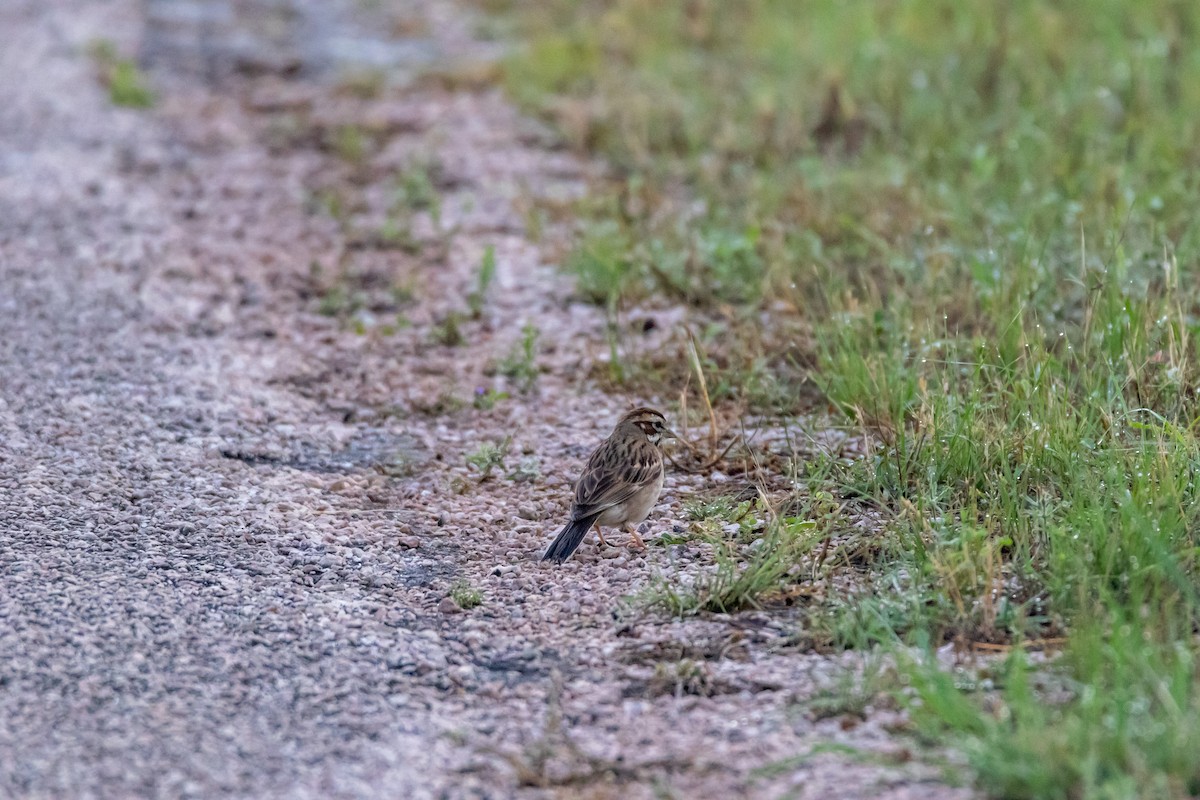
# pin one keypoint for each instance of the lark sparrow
(619, 485)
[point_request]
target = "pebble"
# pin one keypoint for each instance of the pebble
(448, 606)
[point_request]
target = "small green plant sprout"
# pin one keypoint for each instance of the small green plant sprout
(488, 456)
(416, 191)
(448, 332)
(528, 469)
(520, 363)
(465, 595)
(127, 86)
(487, 271)
(340, 301)
(126, 83)
(721, 507)
(396, 232)
(351, 144)
(724, 516)
(486, 399)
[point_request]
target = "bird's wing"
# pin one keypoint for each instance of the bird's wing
(613, 474)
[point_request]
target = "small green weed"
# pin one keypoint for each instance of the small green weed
(489, 456)
(601, 262)
(465, 595)
(127, 85)
(719, 507)
(448, 330)
(339, 300)
(397, 232)
(487, 272)
(417, 191)
(528, 469)
(743, 577)
(351, 144)
(486, 399)
(521, 363)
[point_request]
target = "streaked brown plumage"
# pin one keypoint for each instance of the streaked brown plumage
(620, 483)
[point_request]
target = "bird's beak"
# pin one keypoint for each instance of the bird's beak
(667, 433)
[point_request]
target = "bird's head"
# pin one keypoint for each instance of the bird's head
(650, 422)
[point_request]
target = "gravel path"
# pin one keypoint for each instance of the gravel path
(229, 523)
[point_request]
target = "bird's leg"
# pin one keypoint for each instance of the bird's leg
(635, 538)
(599, 534)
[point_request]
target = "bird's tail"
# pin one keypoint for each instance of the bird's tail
(568, 539)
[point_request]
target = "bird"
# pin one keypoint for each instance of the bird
(620, 483)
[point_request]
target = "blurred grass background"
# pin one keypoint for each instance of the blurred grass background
(973, 227)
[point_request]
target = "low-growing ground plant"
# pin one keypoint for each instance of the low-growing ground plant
(127, 85)
(489, 456)
(487, 273)
(971, 231)
(416, 190)
(528, 469)
(350, 143)
(465, 595)
(486, 399)
(448, 330)
(521, 363)
(745, 575)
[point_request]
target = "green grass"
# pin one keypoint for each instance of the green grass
(973, 228)
(477, 297)
(465, 595)
(1125, 721)
(489, 456)
(748, 572)
(521, 363)
(127, 85)
(448, 330)
(416, 190)
(487, 399)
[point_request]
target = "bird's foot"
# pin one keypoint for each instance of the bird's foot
(635, 539)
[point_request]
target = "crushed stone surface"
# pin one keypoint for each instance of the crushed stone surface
(236, 512)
